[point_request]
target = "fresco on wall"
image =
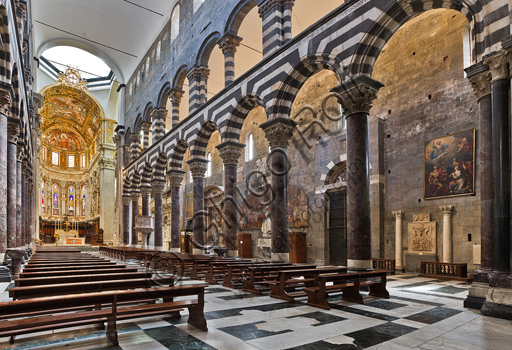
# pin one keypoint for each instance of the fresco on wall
(254, 208)
(67, 107)
(64, 140)
(449, 165)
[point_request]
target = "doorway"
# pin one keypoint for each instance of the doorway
(338, 228)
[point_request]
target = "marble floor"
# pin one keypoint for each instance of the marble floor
(422, 313)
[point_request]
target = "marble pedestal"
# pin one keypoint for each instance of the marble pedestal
(17, 258)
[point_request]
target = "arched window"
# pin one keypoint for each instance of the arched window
(175, 22)
(342, 122)
(55, 199)
(466, 44)
(197, 4)
(42, 198)
(209, 168)
(249, 147)
(138, 79)
(147, 66)
(158, 50)
(71, 199)
(83, 200)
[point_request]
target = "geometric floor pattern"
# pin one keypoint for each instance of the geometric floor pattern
(422, 313)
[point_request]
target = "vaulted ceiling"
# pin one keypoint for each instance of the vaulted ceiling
(118, 31)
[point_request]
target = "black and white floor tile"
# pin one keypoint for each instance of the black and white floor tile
(422, 313)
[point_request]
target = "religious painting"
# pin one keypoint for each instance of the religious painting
(189, 207)
(67, 107)
(55, 199)
(71, 198)
(64, 140)
(255, 206)
(449, 165)
(340, 175)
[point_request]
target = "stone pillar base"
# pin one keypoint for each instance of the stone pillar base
(280, 257)
(159, 248)
(476, 295)
(232, 253)
(498, 303)
(359, 265)
(197, 251)
(400, 269)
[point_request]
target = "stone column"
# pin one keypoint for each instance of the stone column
(230, 153)
(228, 44)
(5, 106)
(158, 189)
(126, 219)
(356, 97)
(399, 266)
(278, 132)
(175, 97)
(204, 74)
(145, 193)
(447, 233)
(175, 179)
(287, 19)
(271, 13)
(119, 141)
(13, 130)
(145, 129)
(159, 116)
(198, 167)
(135, 146)
(135, 211)
(194, 80)
(106, 199)
(24, 209)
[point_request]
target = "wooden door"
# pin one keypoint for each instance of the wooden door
(338, 228)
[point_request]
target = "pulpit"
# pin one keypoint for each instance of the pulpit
(144, 225)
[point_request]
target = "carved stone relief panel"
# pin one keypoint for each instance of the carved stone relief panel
(422, 237)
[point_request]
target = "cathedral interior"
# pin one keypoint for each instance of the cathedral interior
(255, 174)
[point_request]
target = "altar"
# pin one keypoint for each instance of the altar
(68, 238)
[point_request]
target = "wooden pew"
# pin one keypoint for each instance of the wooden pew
(56, 304)
(74, 272)
(235, 273)
(67, 264)
(201, 266)
(85, 287)
(289, 284)
(73, 267)
(216, 270)
(122, 274)
(257, 281)
(349, 283)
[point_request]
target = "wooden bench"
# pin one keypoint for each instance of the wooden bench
(75, 272)
(349, 284)
(18, 308)
(85, 287)
(259, 277)
(217, 270)
(72, 267)
(200, 267)
(122, 274)
(384, 264)
(236, 273)
(445, 271)
(68, 264)
(289, 284)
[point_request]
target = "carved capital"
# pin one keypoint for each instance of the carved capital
(278, 131)
(175, 177)
(398, 214)
(135, 196)
(135, 138)
(21, 8)
(13, 130)
(145, 126)
(145, 191)
(198, 72)
(266, 6)
(357, 95)
(107, 163)
(481, 84)
(5, 101)
(230, 151)
(198, 167)
(447, 209)
(20, 152)
(25, 47)
(229, 43)
(498, 66)
(127, 199)
(158, 186)
(159, 113)
(175, 96)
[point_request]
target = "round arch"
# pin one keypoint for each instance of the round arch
(230, 128)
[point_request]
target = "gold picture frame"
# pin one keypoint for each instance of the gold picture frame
(189, 207)
(449, 165)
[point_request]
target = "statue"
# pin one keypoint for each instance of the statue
(266, 226)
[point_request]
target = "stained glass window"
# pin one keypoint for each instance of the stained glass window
(71, 201)
(55, 199)
(83, 200)
(55, 158)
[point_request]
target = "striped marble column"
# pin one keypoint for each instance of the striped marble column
(228, 44)
(271, 13)
(287, 19)
(204, 75)
(19, 179)
(175, 179)
(194, 80)
(158, 115)
(198, 168)
(126, 219)
(157, 187)
(5, 106)
(135, 211)
(21, 15)
(175, 97)
(145, 129)
(13, 130)
(135, 146)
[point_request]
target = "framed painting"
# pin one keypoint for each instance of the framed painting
(449, 165)
(189, 208)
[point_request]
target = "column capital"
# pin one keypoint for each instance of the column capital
(267, 5)
(278, 131)
(13, 130)
(480, 78)
(159, 112)
(447, 209)
(5, 99)
(398, 214)
(20, 151)
(145, 191)
(230, 151)
(135, 138)
(134, 196)
(127, 199)
(198, 167)
(498, 65)
(176, 95)
(175, 177)
(229, 43)
(145, 125)
(118, 139)
(357, 94)
(158, 186)
(198, 72)
(21, 8)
